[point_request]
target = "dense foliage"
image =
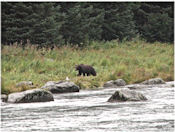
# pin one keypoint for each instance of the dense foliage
(62, 23)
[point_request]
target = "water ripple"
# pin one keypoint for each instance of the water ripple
(89, 111)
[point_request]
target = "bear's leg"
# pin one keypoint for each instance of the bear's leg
(88, 74)
(79, 73)
(84, 74)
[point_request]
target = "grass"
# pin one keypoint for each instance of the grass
(133, 61)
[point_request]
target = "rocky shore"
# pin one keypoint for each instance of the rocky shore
(45, 93)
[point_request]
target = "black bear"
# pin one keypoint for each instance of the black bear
(85, 69)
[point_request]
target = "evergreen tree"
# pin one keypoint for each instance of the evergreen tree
(157, 21)
(38, 22)
(14, 26)
(46, 24)
(159, 27)
(82, 22)
(118, 21)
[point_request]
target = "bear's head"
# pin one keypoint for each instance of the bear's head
(76, 67)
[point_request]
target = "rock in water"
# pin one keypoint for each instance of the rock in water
(126, 95)
(4, 97)
(115, 83)
(29, 96)
(61, 87)
(120, 82)
(154, 81)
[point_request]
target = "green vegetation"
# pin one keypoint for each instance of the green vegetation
(133, 61)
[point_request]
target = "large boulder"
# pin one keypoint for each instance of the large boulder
(61, 87)
(126, 95)
(28, 96)
(153, 81)
(115, 83)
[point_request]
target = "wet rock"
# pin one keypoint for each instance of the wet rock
(172, 85)
(24, 83)
(153, 81)
(115, 83)
(4, 97)
(49, 84)
(61, 87)
(126, 95)
(29, 96)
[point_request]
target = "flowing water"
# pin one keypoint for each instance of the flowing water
(89, 111)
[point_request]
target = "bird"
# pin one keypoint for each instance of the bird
(67, 79)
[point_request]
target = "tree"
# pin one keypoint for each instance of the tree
(159, 27)
(118, 21)
(38, 22)
(157, 21)
(82, 23)
(46, 24)
(14, 26)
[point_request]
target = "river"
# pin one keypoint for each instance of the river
(89, 111)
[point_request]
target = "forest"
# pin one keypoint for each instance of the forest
(79, 23)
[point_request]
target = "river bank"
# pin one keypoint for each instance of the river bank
(45, 93)
(133, 61)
